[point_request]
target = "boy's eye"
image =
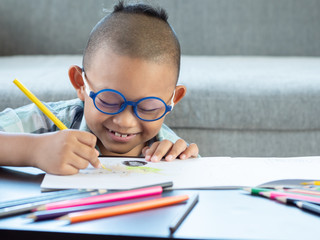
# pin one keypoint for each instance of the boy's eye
(151, 106)
(148, 110)
(111, 106)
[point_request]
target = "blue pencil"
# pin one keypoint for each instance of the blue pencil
(310, 207)
(183, 214)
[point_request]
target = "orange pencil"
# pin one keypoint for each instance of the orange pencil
(123, 209)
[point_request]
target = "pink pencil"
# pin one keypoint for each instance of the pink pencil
(111, 197)
(303, 191)
(273, 195)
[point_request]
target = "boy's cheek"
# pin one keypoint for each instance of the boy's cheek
(151, 129)
(93, 118)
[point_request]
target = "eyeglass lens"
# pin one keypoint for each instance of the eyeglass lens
(111, 102)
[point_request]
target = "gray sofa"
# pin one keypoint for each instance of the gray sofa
(251, 67)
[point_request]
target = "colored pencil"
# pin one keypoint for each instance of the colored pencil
(28, 207)
(317, 183)
(284, 187)
(291, 201)
(41, 197)
(273, 195)
(183, 214)
(256, 191)
(111, 197)
(42, 107)
(123, 209)
(164, 185)
(310, 207)
(313, 188)
(286, 200)
(50, 214)
(302, 191)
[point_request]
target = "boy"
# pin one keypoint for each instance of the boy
(126, 87)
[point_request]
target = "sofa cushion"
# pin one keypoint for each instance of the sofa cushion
(266, 93)
(45, 76)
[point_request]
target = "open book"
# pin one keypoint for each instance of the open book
(199, 173)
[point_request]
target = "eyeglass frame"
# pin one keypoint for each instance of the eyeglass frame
(93, 95)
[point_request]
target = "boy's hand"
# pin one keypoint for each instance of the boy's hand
(170, 151)
(65, 152)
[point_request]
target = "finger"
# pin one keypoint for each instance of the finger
(88, 154)
(162, 149)
(144, 150)
(191, 151)
(79, 162)
(85, 148)
(179, 147)
(66, 168)
(150, 150)
(86, 138)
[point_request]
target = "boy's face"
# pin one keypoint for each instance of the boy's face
(135, 79)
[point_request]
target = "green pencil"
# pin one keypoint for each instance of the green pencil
(256, 191)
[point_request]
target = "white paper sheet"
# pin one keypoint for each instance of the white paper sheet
(207, 172)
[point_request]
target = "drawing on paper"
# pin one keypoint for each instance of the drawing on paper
(134, 163)
(123, 168)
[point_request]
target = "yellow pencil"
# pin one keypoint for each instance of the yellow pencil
(317, 183)
(41, 106)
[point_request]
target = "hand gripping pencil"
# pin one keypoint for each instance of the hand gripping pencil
(42, 107)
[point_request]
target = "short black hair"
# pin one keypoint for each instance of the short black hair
(136, 30)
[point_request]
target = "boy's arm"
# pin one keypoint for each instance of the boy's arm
(169, 147)
(63, 152)
(54, 152)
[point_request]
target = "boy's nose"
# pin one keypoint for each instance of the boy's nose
(126, 118)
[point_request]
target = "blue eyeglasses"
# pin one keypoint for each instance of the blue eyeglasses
(112, 102)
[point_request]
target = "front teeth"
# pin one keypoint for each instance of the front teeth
(119, 135)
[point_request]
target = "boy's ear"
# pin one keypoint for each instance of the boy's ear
(75, 76)
(179, 94)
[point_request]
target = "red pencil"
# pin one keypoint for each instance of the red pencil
(111, 197)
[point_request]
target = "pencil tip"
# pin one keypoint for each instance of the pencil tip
(31, 216)
(306, 183)
(102, 191)
(246, 189)
(65, 217)
(265, 194)
(40, 208)
(102, 166)
(281, 199)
